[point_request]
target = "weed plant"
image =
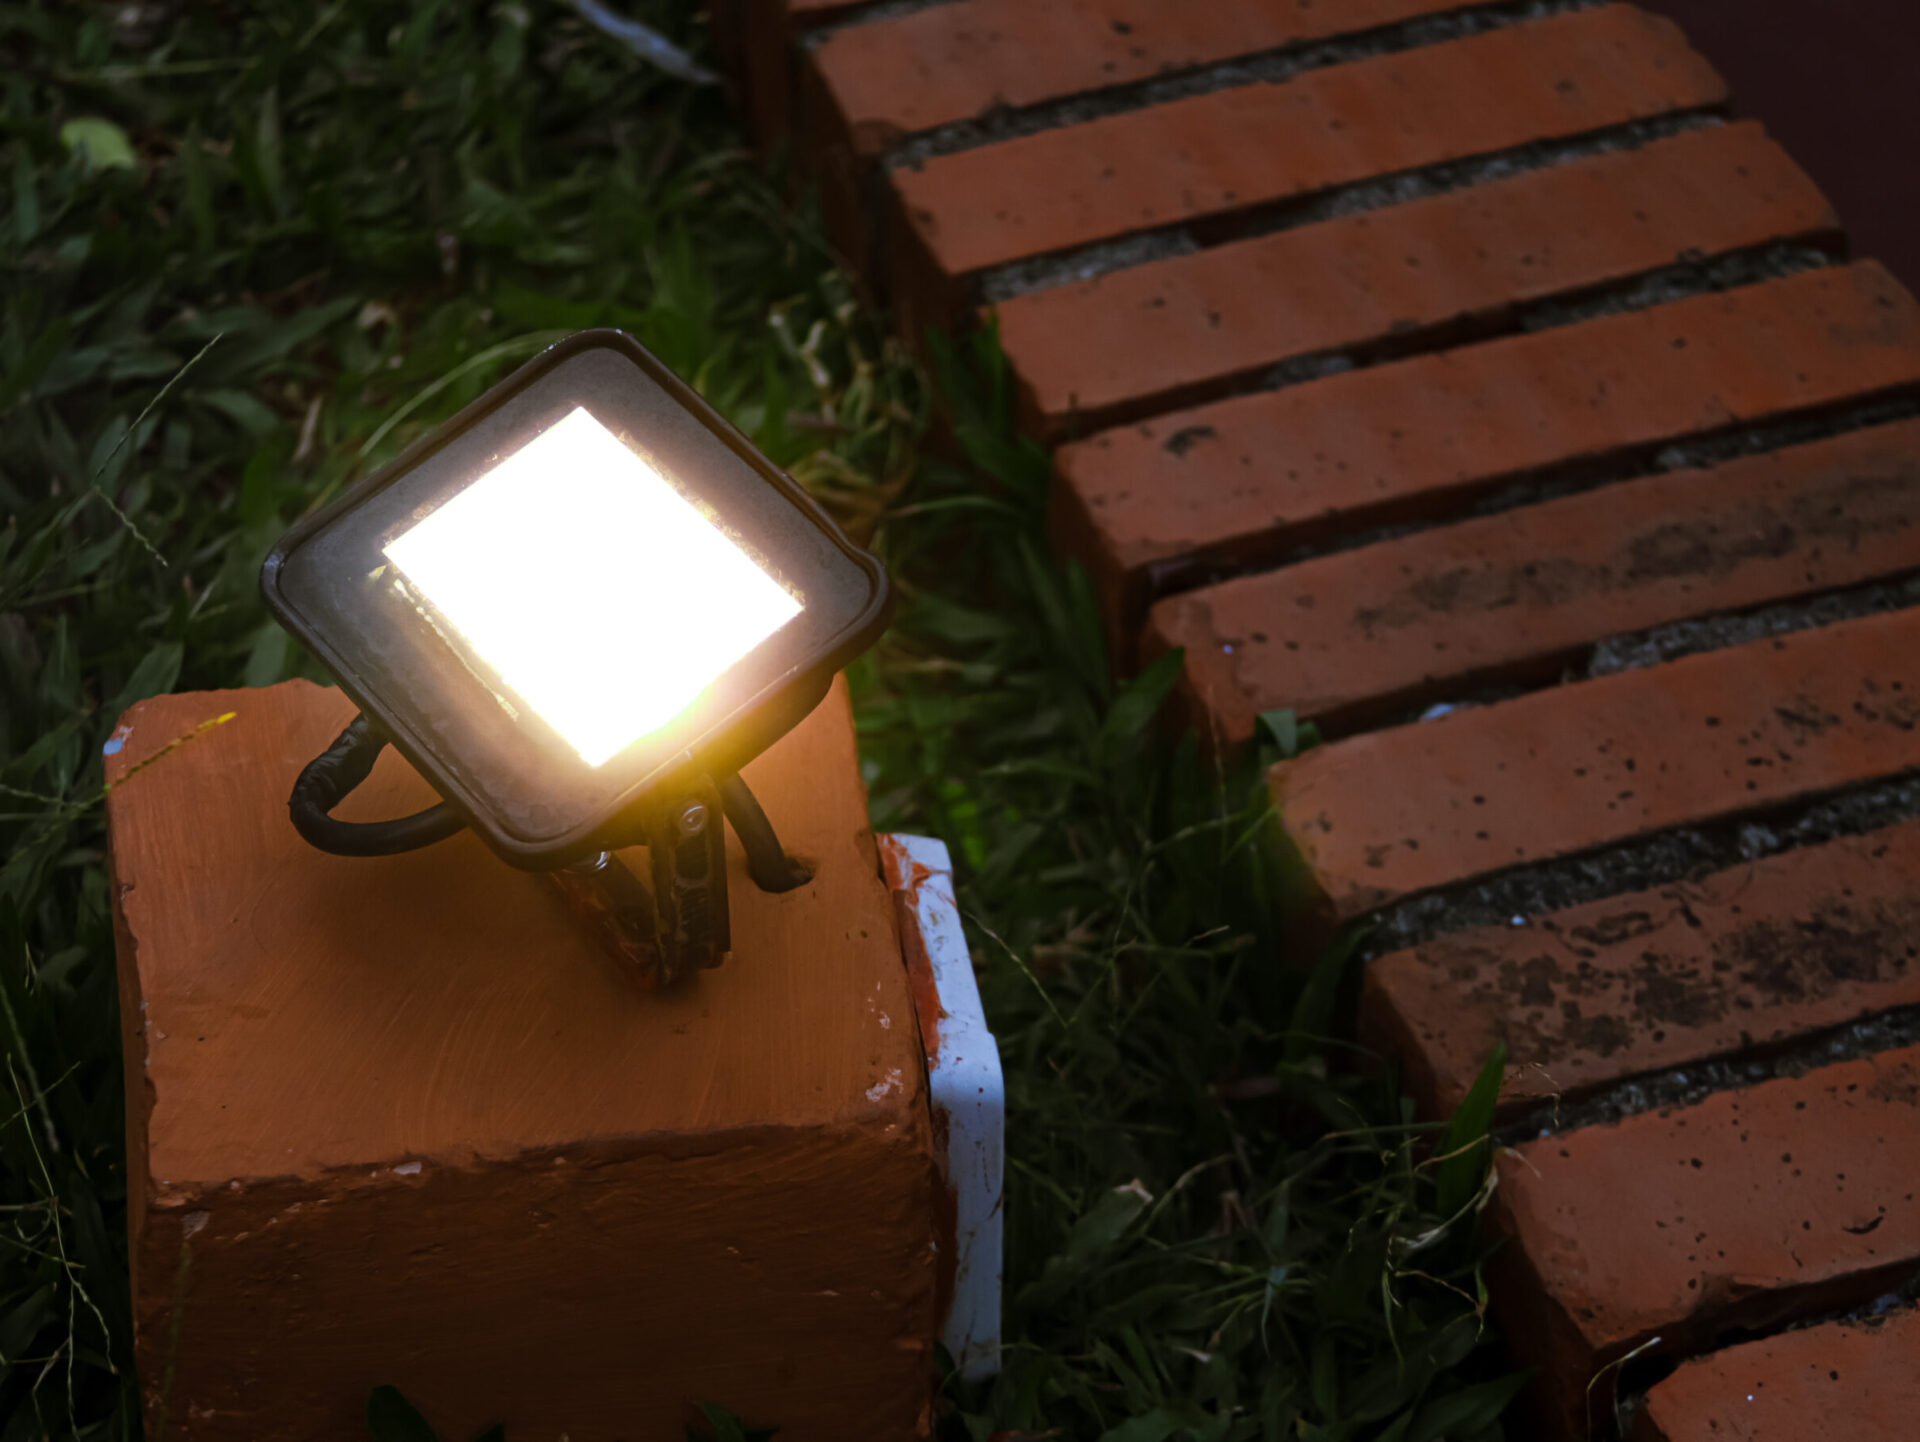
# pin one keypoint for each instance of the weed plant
(249, 253)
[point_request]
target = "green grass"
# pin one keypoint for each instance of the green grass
(248, 258)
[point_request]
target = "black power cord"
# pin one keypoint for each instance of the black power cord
(327, 780)
(325, 783)
(767, 861)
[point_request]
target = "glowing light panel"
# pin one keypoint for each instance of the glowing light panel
(605, 599)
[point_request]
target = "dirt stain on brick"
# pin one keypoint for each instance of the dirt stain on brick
(1839, 944)
(1878, 706)
(1549, 1006)
(1667, 995)
(1804, 718)
(1187, 437)
(1613, 930)
(1704, 547)
(1469, 589)
(1899, 1086)
(1601, 1035)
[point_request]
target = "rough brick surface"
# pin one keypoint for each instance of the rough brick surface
(1790, 1197)
(1400, 278)
(894, 77)
(1658, 979)
(397, 1120)
(1241, 480)
(1254, 145)
(1394, 813)
(1850, 1381)
(1374, 631)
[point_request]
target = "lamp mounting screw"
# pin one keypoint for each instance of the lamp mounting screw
(693, 819)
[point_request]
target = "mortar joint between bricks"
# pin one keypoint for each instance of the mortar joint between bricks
(1637, 1379)
(1668, 858)
(1688, 1085)
(1695, 276)
(1178, 576)
(1683, 280)
(1264, 67)
(1751, 439)
(1639, 1376)
(1670, 641)
(1717, 631)
(1039, 273)
(1895, 1299)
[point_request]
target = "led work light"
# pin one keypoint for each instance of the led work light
(578, 608)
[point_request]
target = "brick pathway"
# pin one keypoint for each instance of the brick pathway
(1470, 381)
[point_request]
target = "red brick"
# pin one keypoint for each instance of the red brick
(1854, 1380)
(1173, 332)
(1241, 480)
(1658, 980)
(1783, 1199)
(893, 78)
(1351, 636)
(1257, 144)
(1394, 813)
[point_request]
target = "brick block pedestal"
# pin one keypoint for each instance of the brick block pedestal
(397, 1121)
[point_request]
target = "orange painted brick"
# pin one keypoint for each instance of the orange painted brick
(892, 78)
(1394, 813)
(1173, 332)
(1241, 480)
(1349, 636)
(1657, 980)
(381, 1111)
(1854, 1380)
(1779, 1200)
(1256, 144)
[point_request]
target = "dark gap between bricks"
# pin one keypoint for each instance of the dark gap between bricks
(1038, 273)
(1687, 1086)
(1637, 1379)
(1692, 275)
(1633, 651)
(1265, 67)
(1176, 575)
(1513, 897)
(1717, 631)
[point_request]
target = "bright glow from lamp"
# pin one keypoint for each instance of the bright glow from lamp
(579, 607)
(543, 562)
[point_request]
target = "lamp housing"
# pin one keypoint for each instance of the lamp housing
(583, 593)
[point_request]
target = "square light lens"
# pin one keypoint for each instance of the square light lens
(603, 597)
